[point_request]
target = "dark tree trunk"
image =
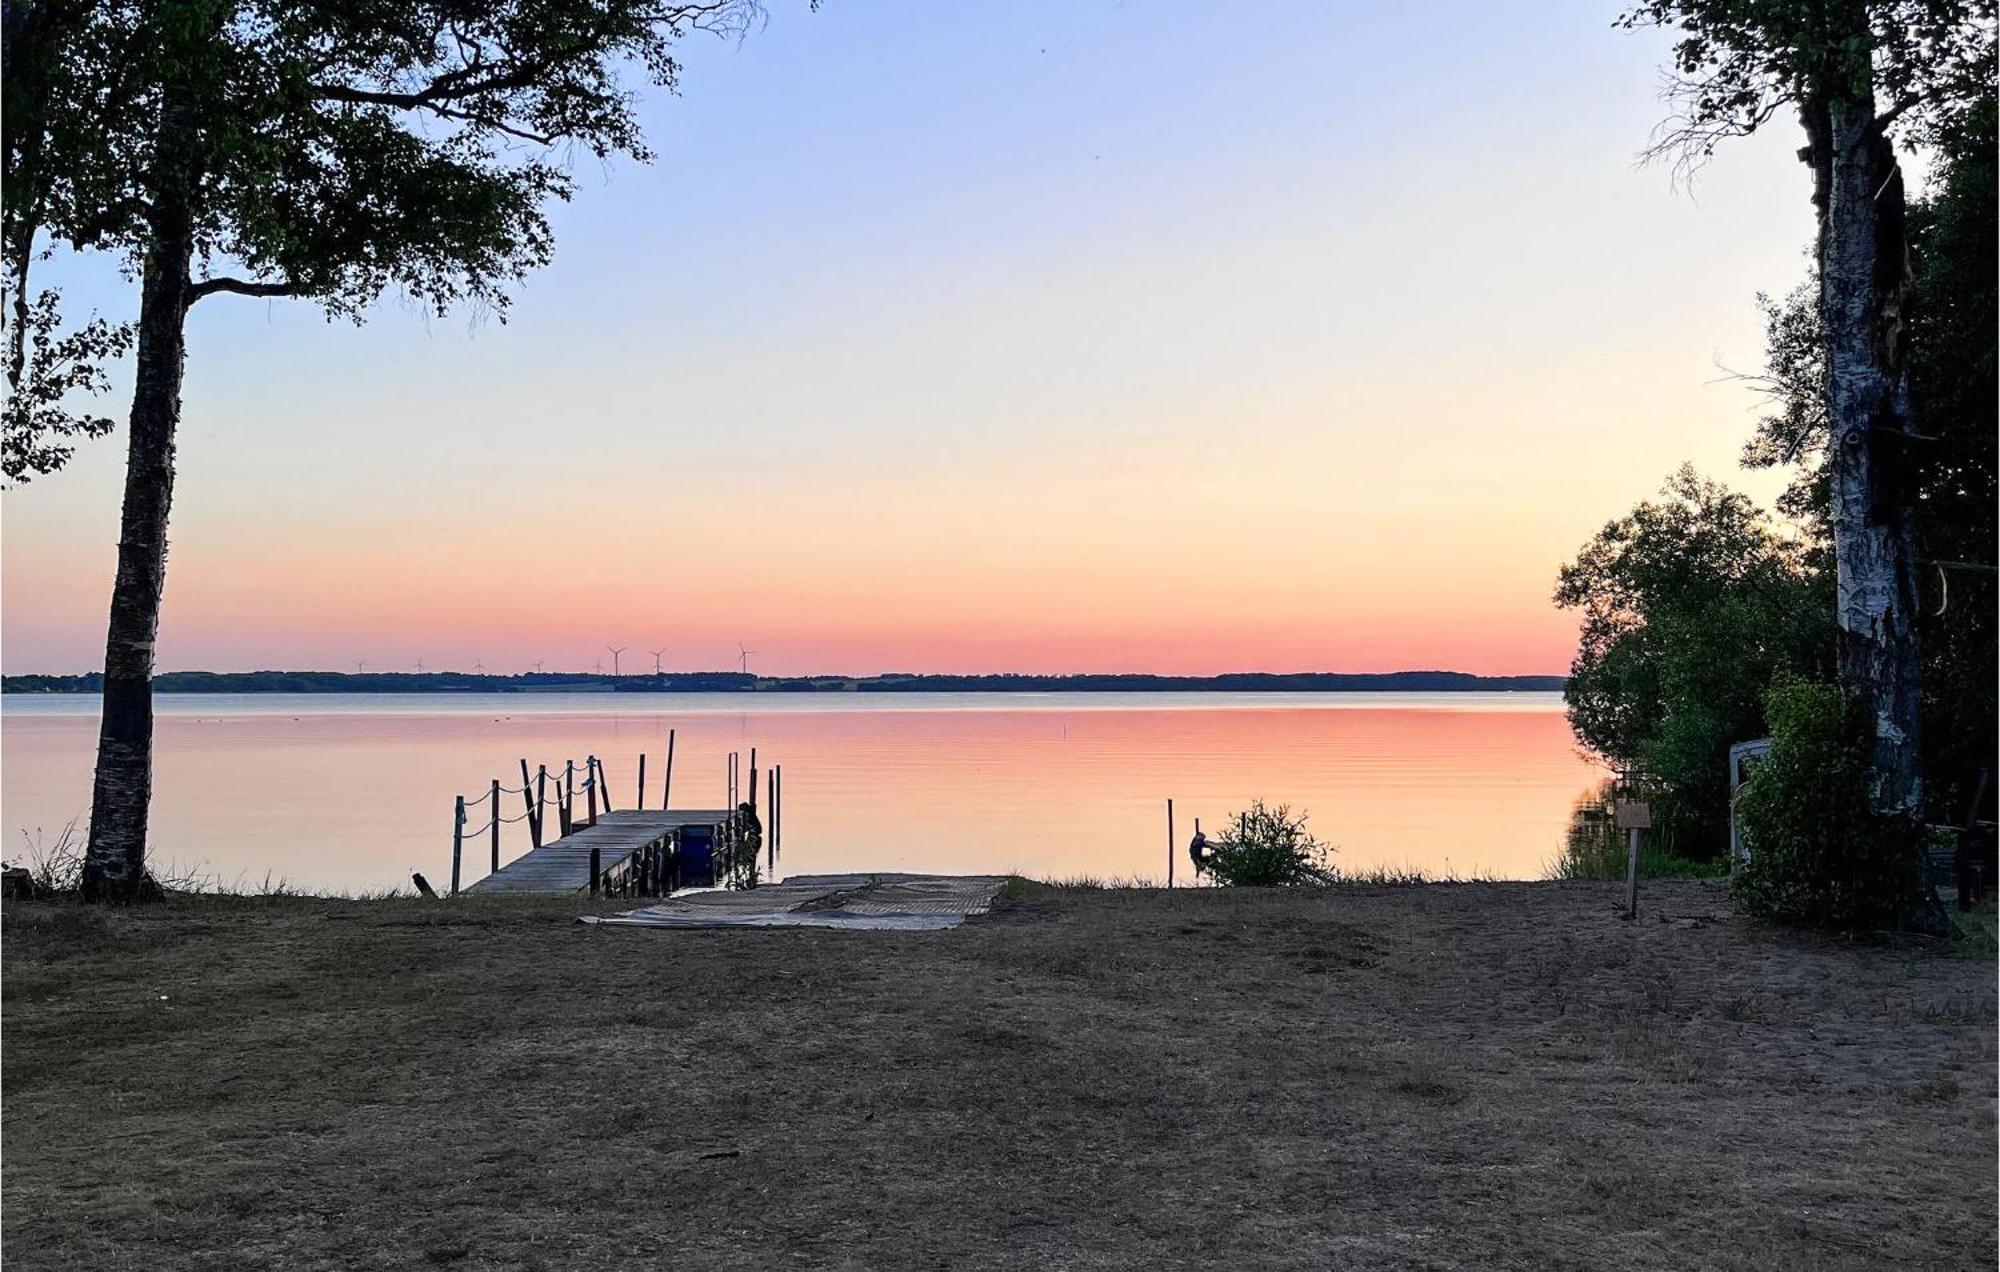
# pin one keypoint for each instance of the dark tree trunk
(1864, 277)
(115, 864)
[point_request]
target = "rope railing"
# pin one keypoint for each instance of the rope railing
(588, 780)
(537, 799)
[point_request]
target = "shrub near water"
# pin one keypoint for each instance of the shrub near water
(1269, 848)
(1819, 854)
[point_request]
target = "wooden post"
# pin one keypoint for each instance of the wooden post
(777, 805)
(496, 826)
(568, 807)
(1632, 872)
(541, 800)
(1170, 843)
(1635, 817)
(457, 840)
(770, 818)
(596, 865)
(641, 802)
(590, 786)
(528, 799)
(753, 777)
(598, 766)
(667, 789)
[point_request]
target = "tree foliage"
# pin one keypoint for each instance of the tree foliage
(1736, 64)
(342, 150)
(1691, 604)
(53, 368)
(346, 149)
(1819, 855)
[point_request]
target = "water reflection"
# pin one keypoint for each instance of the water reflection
(354, 792)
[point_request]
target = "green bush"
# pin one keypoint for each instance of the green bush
(1268, 848)
(1819, 854)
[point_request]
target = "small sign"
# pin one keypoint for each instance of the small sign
(1635, 815)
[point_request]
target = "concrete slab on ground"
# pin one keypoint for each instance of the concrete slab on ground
(861, 902)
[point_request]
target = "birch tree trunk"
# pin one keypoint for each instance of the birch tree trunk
(115, 861)
(1864, 274)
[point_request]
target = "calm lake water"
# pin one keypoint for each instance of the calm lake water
(352, 792)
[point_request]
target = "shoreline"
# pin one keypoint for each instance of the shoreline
(392, 683)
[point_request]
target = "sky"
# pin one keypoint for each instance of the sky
(1042, 337)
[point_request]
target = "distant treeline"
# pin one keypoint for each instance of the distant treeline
(738, 682)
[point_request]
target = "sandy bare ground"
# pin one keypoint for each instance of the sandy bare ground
(1462, 1076)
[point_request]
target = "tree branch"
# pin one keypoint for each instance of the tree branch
(238, 287)
(1903, 104)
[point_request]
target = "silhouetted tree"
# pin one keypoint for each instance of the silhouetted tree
(1858, 73)
(1692, 605)
(294, 148)
(1954, 396)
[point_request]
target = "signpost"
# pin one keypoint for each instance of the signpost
(1635, 818)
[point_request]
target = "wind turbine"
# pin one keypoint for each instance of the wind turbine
(478, 666)
(538, 665)
(656, 659)
(743, 657)
(359, 663)
(420, 666)
(615, 650)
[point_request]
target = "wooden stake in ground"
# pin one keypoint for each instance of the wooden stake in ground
(1170, 843)
(1635, 818)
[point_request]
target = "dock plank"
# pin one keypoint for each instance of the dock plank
(563, 865)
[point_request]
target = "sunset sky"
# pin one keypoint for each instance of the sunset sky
(1036, 337)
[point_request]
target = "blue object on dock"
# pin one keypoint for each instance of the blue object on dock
(697, 857)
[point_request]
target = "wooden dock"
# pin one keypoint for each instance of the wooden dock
(578, 843)
(616, 840)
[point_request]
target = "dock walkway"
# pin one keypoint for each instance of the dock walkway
(563, 865)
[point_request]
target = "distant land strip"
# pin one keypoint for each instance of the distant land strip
(740, 682)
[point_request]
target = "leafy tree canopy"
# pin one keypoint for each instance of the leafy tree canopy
(1738, 63)
(1692, 604)
(342, 148)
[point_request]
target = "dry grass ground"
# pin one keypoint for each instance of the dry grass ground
(1462, 1076)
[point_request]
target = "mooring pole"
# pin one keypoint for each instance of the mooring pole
(596, 864)
(597, 766)
(496, 826)
(667, 789)
(641, 803)
(753, 777)
(1170, 843)
(770, 819)
(590, 785)
(457, 840)
(569, 797)
(541, 801)
(528, 799)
